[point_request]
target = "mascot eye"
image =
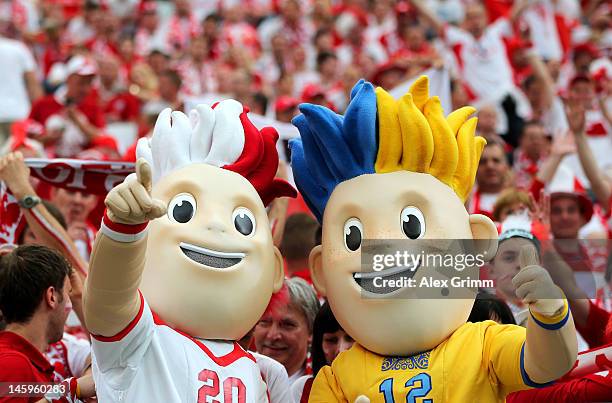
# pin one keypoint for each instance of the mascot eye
(182, 208)
(413, 222)
(352, 234)
(244, 221)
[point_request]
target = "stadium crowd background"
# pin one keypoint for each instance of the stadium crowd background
(75, 77)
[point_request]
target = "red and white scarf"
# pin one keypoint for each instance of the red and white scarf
(89, 176)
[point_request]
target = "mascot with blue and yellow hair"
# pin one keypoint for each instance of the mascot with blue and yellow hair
(401, 170)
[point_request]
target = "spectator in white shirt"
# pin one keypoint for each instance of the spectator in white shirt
(18, 84)
(481, 51)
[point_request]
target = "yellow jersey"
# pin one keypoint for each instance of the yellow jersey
(479, 362)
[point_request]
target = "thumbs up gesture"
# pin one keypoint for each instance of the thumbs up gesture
(131, 201)
(534, 285)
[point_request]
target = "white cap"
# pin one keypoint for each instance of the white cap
(55, 122)
(81, 66)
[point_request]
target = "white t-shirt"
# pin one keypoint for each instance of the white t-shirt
(540, 18)
(16, 61)
(483, 62)
(293, 378)
(151, 362)
(275, 376)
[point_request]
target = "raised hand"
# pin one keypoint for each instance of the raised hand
(563, 144)
(131, 201)
(534, 285)
(576, 120)
(15, 173)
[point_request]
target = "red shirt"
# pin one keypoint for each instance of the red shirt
(49, 105)
(122, 106)
(22, 362)
(594, 331)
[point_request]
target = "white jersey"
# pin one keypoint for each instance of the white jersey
(151, 362)
(275, 376)
(483, 62)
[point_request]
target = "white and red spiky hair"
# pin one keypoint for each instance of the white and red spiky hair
(221, 136)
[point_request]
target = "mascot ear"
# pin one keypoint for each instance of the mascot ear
(485, 235)
(315, 262)
(279, 270)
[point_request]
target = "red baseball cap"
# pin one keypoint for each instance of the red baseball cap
(311, 91)
(383, 68)
(586, 47)
(285, 102)
(579, 78)
(402, 7)
(105, 141)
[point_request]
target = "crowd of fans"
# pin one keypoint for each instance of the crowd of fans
(538, 71)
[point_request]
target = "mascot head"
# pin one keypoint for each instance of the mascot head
(211, 266)
(388, 170)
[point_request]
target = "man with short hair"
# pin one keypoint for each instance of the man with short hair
(170, 84)
(568, 213)
(298, 241)
(531, 153)
(491, 179)
(77, 104)
(35, 302)
(285, 333)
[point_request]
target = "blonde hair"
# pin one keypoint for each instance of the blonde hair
(415, 136)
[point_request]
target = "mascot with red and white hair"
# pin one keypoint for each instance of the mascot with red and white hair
(184, 264)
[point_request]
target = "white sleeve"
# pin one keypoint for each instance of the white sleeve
(501, 27)
(79, 351)
(27, 60)
(557, 120)
(453, 35)
(117, 358)
(276, 378)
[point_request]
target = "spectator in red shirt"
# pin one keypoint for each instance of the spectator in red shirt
(118, 104)
(35, 302)
(77, 104)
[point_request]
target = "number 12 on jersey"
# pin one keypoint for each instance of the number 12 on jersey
(424, 387)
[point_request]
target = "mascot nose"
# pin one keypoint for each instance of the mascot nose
(215, 226)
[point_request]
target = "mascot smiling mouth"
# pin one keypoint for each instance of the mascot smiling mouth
(385, 281)
(211, 258)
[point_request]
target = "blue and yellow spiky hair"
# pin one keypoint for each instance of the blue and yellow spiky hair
(378, 134)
